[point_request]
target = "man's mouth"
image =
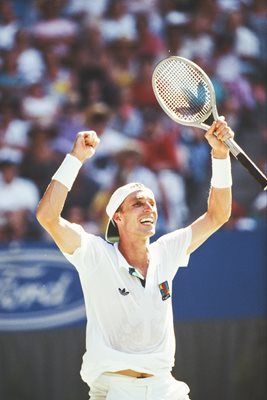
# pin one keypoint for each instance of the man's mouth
(147, 221)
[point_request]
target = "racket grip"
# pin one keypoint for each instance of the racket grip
(252, 169)
(242, 157)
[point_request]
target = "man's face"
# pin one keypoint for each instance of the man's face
(137, 214)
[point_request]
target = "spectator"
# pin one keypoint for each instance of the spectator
(229, 72)
(52, 28)
(197, 158)
(90, 49)
(246, 42)
(130, 168)
(84, 9)
(59, 81)
(25, 11)
(161, 154)
(9, 25)
(10, 77)
(256, 21)
(123, 66)
(30, 63)
(128, 119)
(40, 107)
(100, 168)
(175, 31)
(76, 215)
(160, 146)
(117, 23)
(141, 88)
(13, 132)
(199, 42)
(151, 9)
(96, 85)
(40, 159)
(147, 41)
(70, 120)
(18, 202)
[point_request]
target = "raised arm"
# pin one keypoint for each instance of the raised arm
(220, 196)
(65, 234)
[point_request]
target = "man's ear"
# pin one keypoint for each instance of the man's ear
(117, 217)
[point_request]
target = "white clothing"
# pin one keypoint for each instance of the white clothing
(143, 175)
(115, 29)
(201, 46)
(117, 387)
(7, 35)
(228, 68)
(31, 65)
(174, 188)
(111, 141)
(129, 326)
(247, 43)
(136, 6)
(43, 109)
(18, 195)
(15, 134)
(55, 28)
(94, 9)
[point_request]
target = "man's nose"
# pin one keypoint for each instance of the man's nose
(148, 206)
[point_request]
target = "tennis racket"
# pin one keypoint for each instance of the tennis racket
(186, 94)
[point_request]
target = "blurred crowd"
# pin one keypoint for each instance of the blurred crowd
(73, 65)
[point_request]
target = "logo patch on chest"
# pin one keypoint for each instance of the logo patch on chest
(164, 290)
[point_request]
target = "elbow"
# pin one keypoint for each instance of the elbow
(43, 216)
(222, 218)
(227, 215)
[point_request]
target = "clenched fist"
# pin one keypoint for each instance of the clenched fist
(85, 145)
(216, 136)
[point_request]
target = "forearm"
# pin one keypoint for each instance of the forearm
(66, 235)
(219, 206)
(218, 211)
(52, 203)
(220, 196)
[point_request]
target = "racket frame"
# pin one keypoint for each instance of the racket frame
(233, 147)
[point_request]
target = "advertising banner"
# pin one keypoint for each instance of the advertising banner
(39, 289)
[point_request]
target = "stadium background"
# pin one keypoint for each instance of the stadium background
(70, 65)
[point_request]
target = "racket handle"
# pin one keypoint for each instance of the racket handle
(252, 169)
(242, 157)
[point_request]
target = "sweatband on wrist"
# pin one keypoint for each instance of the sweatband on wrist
(68, 171)
(221, 173)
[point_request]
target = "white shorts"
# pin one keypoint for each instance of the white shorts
(118, 387)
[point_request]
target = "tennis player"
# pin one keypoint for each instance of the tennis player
(126, 281)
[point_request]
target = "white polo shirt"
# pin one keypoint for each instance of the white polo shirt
(129, 326)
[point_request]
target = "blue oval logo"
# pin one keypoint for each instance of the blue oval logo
(39, 289)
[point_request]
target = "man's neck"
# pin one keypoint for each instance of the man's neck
(136, 254)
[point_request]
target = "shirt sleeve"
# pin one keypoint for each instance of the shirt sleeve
(174, 247)
(86, 254)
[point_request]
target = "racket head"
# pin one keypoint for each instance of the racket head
(184, 91)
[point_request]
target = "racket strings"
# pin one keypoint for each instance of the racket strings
(183, 91)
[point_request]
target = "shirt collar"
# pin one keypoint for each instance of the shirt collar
(124, 264)
(121, 260)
